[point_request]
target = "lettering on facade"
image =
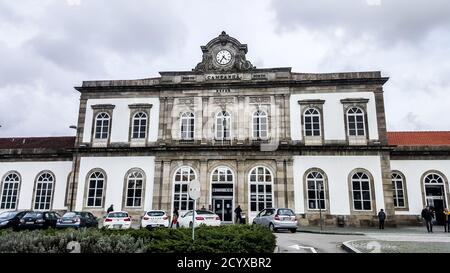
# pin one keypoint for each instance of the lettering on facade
(260, 100)
(211, 77)
(259, 76)
(223, 90)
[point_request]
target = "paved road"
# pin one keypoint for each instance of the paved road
(312, 243)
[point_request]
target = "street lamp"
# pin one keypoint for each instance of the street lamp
(320, 186)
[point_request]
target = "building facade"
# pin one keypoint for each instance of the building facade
(254, 137)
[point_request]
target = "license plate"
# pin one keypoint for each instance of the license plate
(117, 226)
(29, 223)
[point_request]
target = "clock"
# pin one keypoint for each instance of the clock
(223, 57)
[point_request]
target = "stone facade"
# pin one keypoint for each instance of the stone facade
(266, 132)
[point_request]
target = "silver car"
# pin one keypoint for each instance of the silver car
(275, 219)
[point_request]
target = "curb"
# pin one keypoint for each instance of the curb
(347, 247)
(330, 232)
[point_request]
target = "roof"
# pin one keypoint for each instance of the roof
(37, 142)
(419, 138)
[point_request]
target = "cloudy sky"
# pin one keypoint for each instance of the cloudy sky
(49, 46)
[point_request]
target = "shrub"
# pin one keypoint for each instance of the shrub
(223, 239)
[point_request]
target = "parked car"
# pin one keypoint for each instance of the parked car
(204, 217)
(11, 219)
(277, 218)
(77, 219)
(39, 220)
(117, 220)
(155, 218)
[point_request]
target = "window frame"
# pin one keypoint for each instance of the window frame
(17, 196)
(325, 191)
(259, 114)
(405, 206)
(227, 120)
(188, 201)
(373, 203)
(257, 183)
(35, 190)
(87, 187)
(126, 188)
(192, 124)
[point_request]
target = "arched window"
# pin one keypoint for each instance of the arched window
(222, 175)
(260, 123)
(316, 190)
(261, 183)
(223, 125)
(96, 189)
(44, 191)
(10, 191)
(187, 126)
(312, 122)
(398, 186)
(435, 191)
(102, 122)
(134, 191)
(361, 191)
(181, 200)
(139, 125)
(355, 122)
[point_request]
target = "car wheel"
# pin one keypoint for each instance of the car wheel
(293, 230)
(272, 228)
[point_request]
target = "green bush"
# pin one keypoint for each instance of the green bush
(223, 239)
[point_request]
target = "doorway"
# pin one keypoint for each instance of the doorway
(224, 208)
(436, 200)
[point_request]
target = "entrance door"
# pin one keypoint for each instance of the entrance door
(436, 200)
(224, 208)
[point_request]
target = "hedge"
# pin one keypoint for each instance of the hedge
(223, 239)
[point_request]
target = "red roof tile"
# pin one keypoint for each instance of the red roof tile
(37, 143)
(419, 138)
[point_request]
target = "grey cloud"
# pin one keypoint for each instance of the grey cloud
(390, 21)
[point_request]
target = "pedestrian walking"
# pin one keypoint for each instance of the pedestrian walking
(447, 220)
(381, 218)
(110, 209)
(427, 215)
(174, 223)
(238, 213)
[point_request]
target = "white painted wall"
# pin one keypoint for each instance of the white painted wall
(28, 172)
(116, 169)
(121, 118)
(337, 169)
(413, 171)
(333, 114)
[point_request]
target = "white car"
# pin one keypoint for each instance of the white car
(155, 218)
(204, 217)
(117, 220)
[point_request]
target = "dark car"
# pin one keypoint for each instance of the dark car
(11, 219)
(39, 220)
(77, 219)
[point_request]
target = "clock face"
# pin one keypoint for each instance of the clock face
(223, 57)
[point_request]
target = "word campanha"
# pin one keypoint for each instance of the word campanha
(206, 264)
(223, 77)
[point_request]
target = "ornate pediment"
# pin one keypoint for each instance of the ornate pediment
(224, 54)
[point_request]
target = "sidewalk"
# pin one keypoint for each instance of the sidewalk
(370, 230)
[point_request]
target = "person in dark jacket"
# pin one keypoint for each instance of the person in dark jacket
(238, 213)
(447, 220)
(110, 209)
(427, 215)
(175, 219)
(381, 218)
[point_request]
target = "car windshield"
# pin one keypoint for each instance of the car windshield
(8, 214)
(155, 213)
(202, 212)
(117, 215)
(33, 215)
(288, 212)
(69, 215)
